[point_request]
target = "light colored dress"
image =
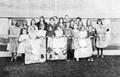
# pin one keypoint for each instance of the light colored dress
(101, 41)
(60, 45)
(41, 45)
(85, 46)
(13, 38)
(23, 41)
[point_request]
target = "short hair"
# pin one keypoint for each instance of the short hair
(78, 18)
(51, 18)
(100, 20)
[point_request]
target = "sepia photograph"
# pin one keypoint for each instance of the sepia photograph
(59, 38)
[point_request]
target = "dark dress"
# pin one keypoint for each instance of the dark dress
(68, 33)
(93, 37)
(39, 24)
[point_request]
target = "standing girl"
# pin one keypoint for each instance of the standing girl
(23, 41)
(68, 33)
(13, 37)
(101, 37)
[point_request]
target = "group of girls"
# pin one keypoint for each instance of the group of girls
(82, 40)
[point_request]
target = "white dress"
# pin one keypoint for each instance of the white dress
(22, 45)
(59, 45)
(41, 45)
(85, 46)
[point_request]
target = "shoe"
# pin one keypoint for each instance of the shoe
(102, 56)
(11, 59)
(97, 55)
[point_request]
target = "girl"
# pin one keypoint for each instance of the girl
(67, 19)
(68, 33)
(13, 37)
(52, 24)
(101, 37)
(50, 34)
(80, 24)
(61, 23)
(22, 39)
(75, 40)
(84, 45)
(78, 19)
(56, 20)
(41, 41)
(72, 24)
(25, 26)
(59, 44)
(41, 23)
(32, 25)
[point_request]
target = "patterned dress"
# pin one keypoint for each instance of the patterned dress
(23, 41)
(85, 46)
(101, 39)
(13, 38)
(59, 45)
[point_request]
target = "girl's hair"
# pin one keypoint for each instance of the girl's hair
(67, 23)
(72, 20)
(87, 22)
(55, 17)
(51, 18)
(78, 18)
(13, 23)
(32, 21)
(81, 22)
(100, 20)
(25, 22)
(60, 19)
(21, 31)
(42, 18)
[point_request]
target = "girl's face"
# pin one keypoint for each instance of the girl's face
(58, 28)
(90, 28)
(24, 31)
(61, 21)
(67, 25)
(89, 22)
(24, 23)
(42, 27)
(41, 19)
(75, 26)
(50, 28)
(99, 22)
(83, 28)
(72, 22)
(77, 20)
(80, 23)
(52, 21)
(33, 22)
(14, 21)
(67, 17)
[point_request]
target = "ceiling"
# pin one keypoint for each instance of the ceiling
(48, 8)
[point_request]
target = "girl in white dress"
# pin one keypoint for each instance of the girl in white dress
(41, 41)
(22, 45)
(59, 44)
(85, 46)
